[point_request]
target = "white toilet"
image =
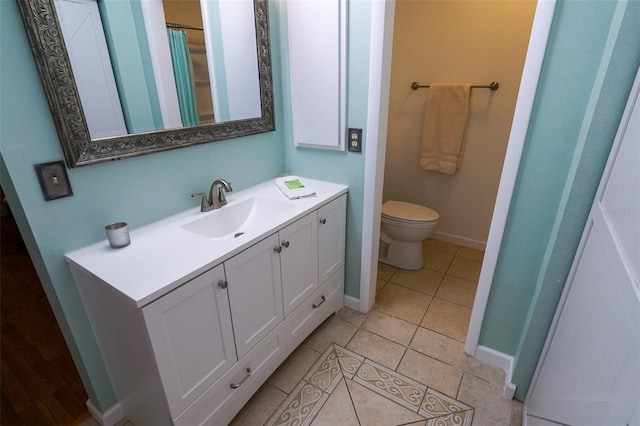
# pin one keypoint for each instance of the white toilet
(404, 226)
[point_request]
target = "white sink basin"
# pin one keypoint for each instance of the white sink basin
(236, 218)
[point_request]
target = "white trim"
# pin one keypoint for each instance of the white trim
(382, 14)
(500, 360)
(110, 417)
(352, 302)
(461, 241)
(524, 105)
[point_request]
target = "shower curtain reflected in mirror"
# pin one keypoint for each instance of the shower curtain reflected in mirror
(183, 72)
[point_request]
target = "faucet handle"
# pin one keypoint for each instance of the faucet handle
(204, 203)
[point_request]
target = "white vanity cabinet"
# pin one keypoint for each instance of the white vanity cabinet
(298, 252)
(191, 335)
(255, 290)
(197, 352)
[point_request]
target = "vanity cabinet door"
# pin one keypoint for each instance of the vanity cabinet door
(255, 292)
(331, 236)
(299, 261)
(191, 336)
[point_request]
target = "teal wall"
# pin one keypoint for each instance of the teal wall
(587, 73)
(143, 189)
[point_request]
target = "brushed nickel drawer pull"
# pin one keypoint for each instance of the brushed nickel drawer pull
(285, 244)
(223, 284)
(323, 221)
(244, 379)
(277, 249)
(322, 300)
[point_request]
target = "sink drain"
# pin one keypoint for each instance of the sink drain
(238, 234)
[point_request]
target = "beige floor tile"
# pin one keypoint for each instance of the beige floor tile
(516, 413)
(385, 271)
(490, 407)
(440, 347)
(457, 290)
(423, 280)
(294, 368)
(438, 245)
(437, 260)
(338, 410)
(352, 316)
(431, 372)
(260, 407)
(380, 285)
(485, 371)
(391, 384)
(467, 269)
(390, 327)
(375, 410)
(332, 330)
(300, 407)
(376, 348)
(448, 318)
(404, 303)
(469, 253)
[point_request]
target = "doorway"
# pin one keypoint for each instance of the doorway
(40, 383)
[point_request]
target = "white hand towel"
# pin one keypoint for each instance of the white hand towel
(445, 124)
(293, 187)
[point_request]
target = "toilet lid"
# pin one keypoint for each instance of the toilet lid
(409, 211)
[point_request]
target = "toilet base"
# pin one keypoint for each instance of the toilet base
(402, 255)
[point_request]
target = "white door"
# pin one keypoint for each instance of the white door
(89, 56)
(299, 261)
(590, 372)
(255, 293)
(192, 339)
(332, 220)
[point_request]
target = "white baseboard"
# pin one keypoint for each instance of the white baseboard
(461, 241)
(352, 302)
(500, 360)
(110, 417)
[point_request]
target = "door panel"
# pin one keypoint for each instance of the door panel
(589, 373)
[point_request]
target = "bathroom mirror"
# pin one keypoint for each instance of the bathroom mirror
(81, 147)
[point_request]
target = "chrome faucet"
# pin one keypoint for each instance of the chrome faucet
(216, 198)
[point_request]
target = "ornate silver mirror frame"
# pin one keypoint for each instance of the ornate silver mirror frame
(53, 63)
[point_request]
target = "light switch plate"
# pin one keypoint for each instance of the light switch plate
(354, 140)
(53, 179)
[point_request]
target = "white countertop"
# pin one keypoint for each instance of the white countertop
(162, 255)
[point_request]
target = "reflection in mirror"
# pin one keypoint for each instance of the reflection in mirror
(150, 60)
(149, 75)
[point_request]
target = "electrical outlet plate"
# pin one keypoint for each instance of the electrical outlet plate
(354, 140)
(53, 179)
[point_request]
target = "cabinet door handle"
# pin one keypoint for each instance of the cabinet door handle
(244, 379)
(223, 284)
(322, 300)
(277, 249)
(323, 220)
(285, 244)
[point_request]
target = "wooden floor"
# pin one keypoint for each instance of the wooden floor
(40, 384)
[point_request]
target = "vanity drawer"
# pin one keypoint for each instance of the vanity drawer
(315, 309)
(221, 402)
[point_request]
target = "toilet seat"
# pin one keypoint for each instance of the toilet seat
(401, 211)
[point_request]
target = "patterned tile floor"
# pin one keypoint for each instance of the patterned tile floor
(403, 363)
(343, 387)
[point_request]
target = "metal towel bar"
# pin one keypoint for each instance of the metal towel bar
(493, 86)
